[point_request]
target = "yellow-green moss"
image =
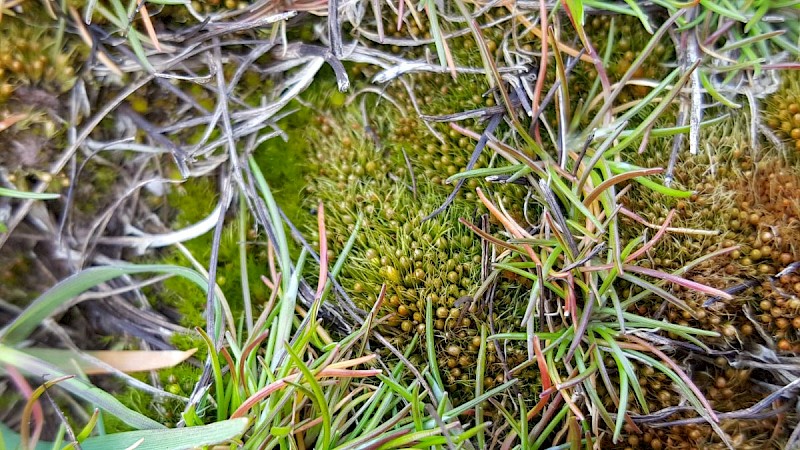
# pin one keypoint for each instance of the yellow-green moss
(782, 110)
(33, 55)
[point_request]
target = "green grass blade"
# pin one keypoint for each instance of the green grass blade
(408, 440)
(430, 345)
(286, 315)
(13, 193)
(623, 405)
(625, 365)
(168, 439)
(715, 94)
(219, 384)
(550, 427)
(488, 171)
(672, 131)
(57, 297)
(281, 244)
(436, 32)
(319, 396)
(715, 6)
(396, 387)
(637, 11)
(138, 50)
(621, 167)
(480, 372)
(573, 200)
(455, 412)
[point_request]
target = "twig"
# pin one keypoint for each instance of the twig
(493, 123)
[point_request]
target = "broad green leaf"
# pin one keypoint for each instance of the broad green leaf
(166, 439)
(10, 440)
(576, 9)
(57, 297)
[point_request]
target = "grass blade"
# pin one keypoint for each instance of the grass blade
(13, 193)
(57, 297)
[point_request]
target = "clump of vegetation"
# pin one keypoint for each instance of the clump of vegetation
(739, 214)
(37, 66)
(421, 263)
(402, 256)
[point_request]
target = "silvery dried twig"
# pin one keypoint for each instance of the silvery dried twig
(211, 30)
(296, 50)
(373, 36)
(141, 240)
(476, 153)
(406, 67)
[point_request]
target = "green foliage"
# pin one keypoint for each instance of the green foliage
(13, 193)
(748, 45)
(48, 304)
(173, 439)
(285, 163)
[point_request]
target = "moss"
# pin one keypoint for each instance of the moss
(781, 111)
(34, 56)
